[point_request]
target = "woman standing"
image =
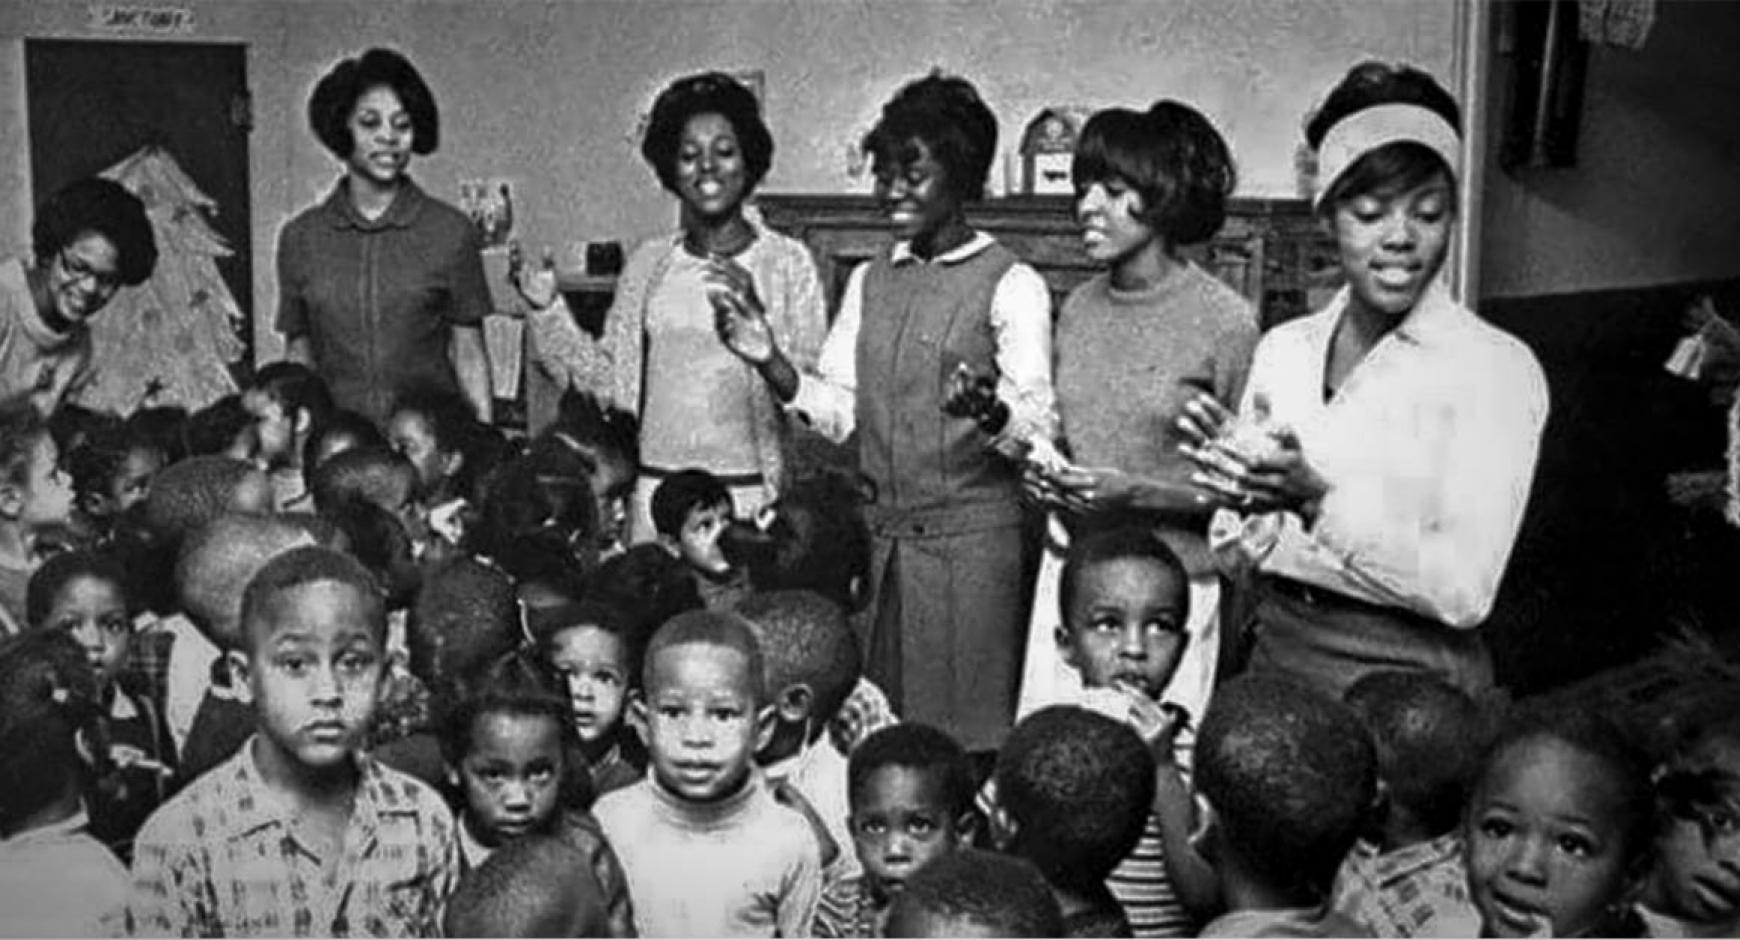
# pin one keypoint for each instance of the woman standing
(949, 598)
(381, 286)
(1381, 461)
(698, 404)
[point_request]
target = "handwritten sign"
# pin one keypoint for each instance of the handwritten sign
(140, 19)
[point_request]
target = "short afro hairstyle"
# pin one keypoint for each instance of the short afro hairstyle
(57, 572)
(921, 749)
(648, 584)
(534, 886)
(102, 206)
(466, 615)
(819, 541)
(1291, 774)
(1116, 543)
(1429, 736)
(341, 431)
(337, 92)
(191, 493)
(706, 93)
(806, 639)
(1172, 155)
(372, 473)
(1079, 787)
(1392, 168)
(307, 565)
(683, 493)
(710, 628)
(218, 560)
(1002, 895)
(48, 694)
(946, 113)
(548, 625)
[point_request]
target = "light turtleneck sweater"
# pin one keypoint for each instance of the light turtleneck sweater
(743, 866)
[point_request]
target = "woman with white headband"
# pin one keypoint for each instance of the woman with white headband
(1376, 473)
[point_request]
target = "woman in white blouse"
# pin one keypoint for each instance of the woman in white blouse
(1378, 469)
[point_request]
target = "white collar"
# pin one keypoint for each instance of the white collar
(902, 252)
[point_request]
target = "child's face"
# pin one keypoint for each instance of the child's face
(133, 478)
(1125, 625)
(412, 436)
(1697, 866)
(45, 495)
(612, 484)
(594, 664)
(512, 778)
(900, 823)
(94, 611)
(274, 429)
(314, 667)
(915, 192)
(698, 542)
(1545, 846)
(703, 724)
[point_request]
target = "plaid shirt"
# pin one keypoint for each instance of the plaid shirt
(1417, 891)
(146, 670)
(222, 859)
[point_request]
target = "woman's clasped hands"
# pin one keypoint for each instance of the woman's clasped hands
(1252, 466)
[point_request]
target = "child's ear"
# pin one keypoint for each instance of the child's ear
(240, 671)
(303, 424)
(966, 825)
(1202, 840)
(637, 716)
(795, 703)
(766, 722)
(11, 500)
(1065, 649)
(451, 773)
(93, 504)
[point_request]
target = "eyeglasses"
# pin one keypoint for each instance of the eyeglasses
(78, 269)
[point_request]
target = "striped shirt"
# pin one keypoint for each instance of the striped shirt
(846, 910)
(1142, 886)
(222, 858)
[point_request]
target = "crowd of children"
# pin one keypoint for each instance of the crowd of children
(274, 669)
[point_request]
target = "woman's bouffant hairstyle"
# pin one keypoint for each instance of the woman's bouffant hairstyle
(338, 90)
(947, 114)
(706, 93)
(1172, 156)
(1392, 168)
(102, 206)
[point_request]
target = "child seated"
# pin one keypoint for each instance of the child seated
(83, 595)
(216, 564)
(911, 793)
(1288, 776)
(301, 832)
(1070, 794)
(812, 666)
(1559, 827)
(535, 886)
(1694, 887)
(289, 402)
(36, 498)
(707, 849)
(1405, 878)
(972, 893)
(507, 752)
(56, 880)
(690, 511)
(597, 653)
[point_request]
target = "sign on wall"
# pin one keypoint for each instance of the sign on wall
(141, 19)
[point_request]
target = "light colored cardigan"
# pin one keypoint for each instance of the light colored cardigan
(613, 367)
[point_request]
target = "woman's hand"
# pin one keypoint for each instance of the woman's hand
(973, 395)
(738, 314)
(1276, 479)
(536, 283)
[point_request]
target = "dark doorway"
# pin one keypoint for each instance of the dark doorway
(92, 104)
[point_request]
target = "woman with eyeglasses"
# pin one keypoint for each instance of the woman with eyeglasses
(90, 239)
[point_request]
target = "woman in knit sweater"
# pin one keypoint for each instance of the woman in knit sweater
(661, 358)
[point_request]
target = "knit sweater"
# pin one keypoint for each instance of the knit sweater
(1128, 361)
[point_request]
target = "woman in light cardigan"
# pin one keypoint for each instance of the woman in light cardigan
(660, 357)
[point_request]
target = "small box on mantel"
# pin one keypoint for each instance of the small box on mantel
(1048, 150)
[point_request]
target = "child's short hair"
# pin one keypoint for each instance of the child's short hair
(1098, 546)
(536, 698)
(946, 112)
(1172, 155)
(544, 497)
(648, 584)
(21, 430)
(711, 628)
(1291, 775)
(601, 431)
(94, 462)
(534, 886)
(56, 572)
(1080, 787)
(819, 541)
(48, 694)
(547, 625)
(295, 387)
(309, 564)
(351, 427)
(219, 560)
(466, 616)
(1001, 895)
(371, 473)
(805, 639)
(683, 493)
(378, 539)
(212, 429)
(919, 748)
(165, 426)
(191, 493)
(1429, 737)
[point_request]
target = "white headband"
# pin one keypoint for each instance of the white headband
(1366, 130)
